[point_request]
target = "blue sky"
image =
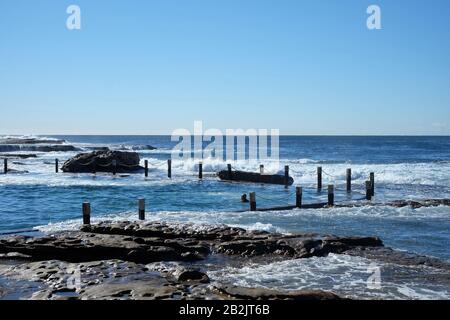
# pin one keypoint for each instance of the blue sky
(149, 67)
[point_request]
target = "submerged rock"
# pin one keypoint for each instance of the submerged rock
(18, 155)
(182, 274)
(254, 177)
(15, 171)
(102, 161)
(96, 148)
(267, 294)
(420, 203)
(137, 147)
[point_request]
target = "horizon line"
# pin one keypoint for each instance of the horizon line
(281, 135)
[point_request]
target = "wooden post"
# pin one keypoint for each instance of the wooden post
(286, 176)
(331, 195)
(141, 203)
(261, 169)
(56, 165)
(252, 201)
(368, 190)
(169, 168)
(372, 184)
(146, 168)
(319, 178)
(298, 197)
(114, 167)
(230, 173)
(200, 170)
(86, 213)
(5, 166)
(349, 180)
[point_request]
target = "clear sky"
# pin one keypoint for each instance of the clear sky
(149, 67)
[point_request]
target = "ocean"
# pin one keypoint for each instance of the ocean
(404, 167)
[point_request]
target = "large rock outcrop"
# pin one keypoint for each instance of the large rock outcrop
(153, 241)
(103, 161)
(156, 260)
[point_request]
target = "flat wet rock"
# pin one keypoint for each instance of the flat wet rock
(267, 294)
(403, 258)
(234, 241)
(120, 280)
(80, 247)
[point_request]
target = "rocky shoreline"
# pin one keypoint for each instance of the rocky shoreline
(152, 260)
(10, 146)
(35, 145)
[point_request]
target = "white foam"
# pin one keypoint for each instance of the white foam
(345, 275)
(28, 137)
(263, 220)
(41, 171)
(303, 170)
(373, 212)
(258, 226)
(198, 219)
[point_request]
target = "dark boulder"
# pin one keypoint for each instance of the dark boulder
(102, 161)
(184, 274)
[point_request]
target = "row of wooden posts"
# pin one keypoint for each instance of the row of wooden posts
(169, 168)
(370, 192)
(114, 167)
(370, 187)
(369, 184)
(87, 211)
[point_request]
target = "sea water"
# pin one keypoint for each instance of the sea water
(404, 167)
